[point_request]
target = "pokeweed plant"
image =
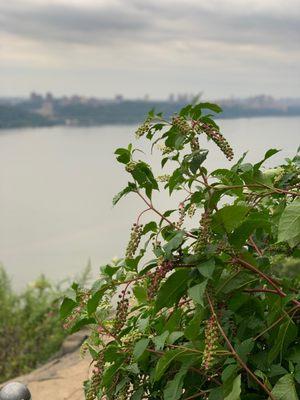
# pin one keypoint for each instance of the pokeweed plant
(211, 316)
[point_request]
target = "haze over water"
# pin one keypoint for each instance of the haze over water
(57, 184)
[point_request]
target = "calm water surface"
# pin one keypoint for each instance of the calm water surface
(56, 186)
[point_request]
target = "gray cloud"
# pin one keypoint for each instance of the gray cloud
(133, 21)
(64, 23)
(157, 46)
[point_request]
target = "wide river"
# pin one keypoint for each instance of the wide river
(56, 187)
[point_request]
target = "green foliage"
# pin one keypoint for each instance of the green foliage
(214, 314)
(30, 326)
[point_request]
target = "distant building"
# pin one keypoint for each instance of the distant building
(119, 98)
(46, 110)
(35, 97)
(49, 96)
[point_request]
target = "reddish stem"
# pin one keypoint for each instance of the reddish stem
(260, 290)
(252, 268)
(139, 216)
(253, 244)
(151, 207)
(235, 354)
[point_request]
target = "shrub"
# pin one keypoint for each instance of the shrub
(30, 326)
(211, 316)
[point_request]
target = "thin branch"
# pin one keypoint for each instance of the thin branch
(267, 278)
(234, 353)
(253, 244)
(260, 290)
(150, 205)
(139, 216)
(286, 314)
(200, 393)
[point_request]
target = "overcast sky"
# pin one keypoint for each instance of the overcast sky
(155, 47)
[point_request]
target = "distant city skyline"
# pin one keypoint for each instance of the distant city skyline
(155, 47)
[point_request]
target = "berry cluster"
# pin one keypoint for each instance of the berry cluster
(181, 124)
(135, 238)
(195, 144)
(191, 211)
(144, 128)
(159, 274)
(164, 149)
(130, 166)
(211, 339)
(217, 137)
(121, 313)
(163, 178)
(83, 297)
(126, 392)
(179, 223)
(96, 378)
(131, 337)
(204, 234)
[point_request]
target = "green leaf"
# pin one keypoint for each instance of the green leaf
(131, 187)
(229, 178)
(230, 217)
(66, 307)
(174, 243)
(144, 177)
(174, 336)
(207, 268)
(286, 334)
(138, 394)
(175, 180)
(244, 349)
(228, 372)
(196, 110)
(123, 155)
(197, 159)
(81, 323)
(172, 290)
(140, 348)
(254, 221)
(133, 369)
(173, 390)
(268, 154)
(93, 302)
(164, 362)
(216, 394)
(289, 224)
(297, 373)
(110, 373)
(232, 390)
(192, 330)
(150, 227)
(159, 341)
(285, 389)
(140, 293)
(196, 293)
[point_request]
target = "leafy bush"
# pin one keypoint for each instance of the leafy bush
(30, 326)
(211, 316)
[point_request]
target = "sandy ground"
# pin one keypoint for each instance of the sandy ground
(61, 378)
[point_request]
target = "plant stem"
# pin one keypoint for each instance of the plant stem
(257, 249)
(234, 353)
(140, 214)
(252, 268)
(151, 207)
(260, 290)
(286, 313)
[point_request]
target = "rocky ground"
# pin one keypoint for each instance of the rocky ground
(62, 377)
